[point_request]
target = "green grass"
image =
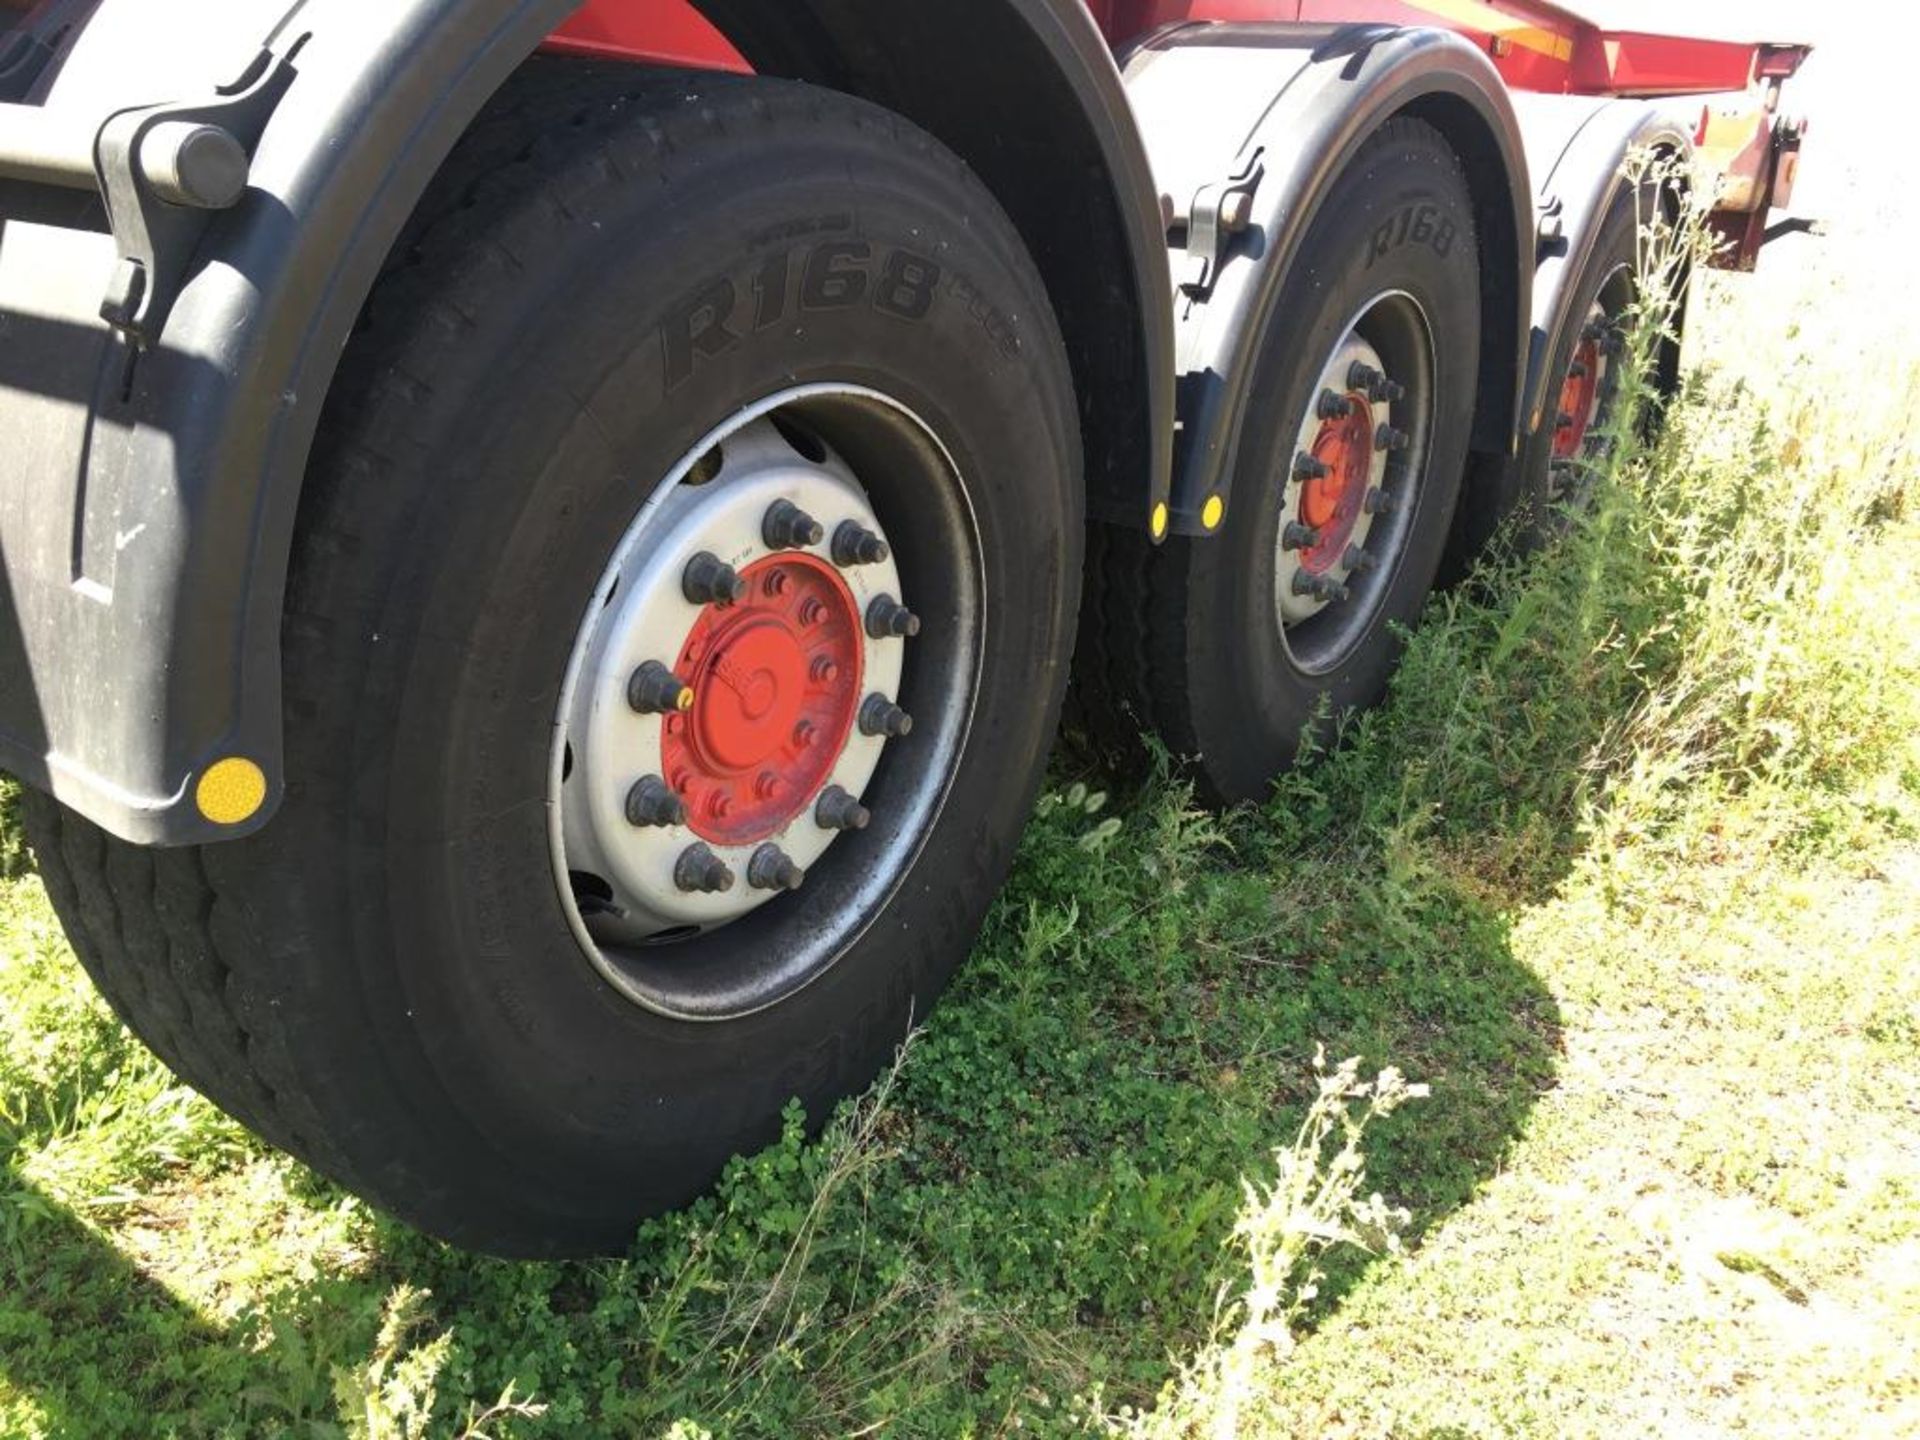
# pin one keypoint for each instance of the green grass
(1627, 873)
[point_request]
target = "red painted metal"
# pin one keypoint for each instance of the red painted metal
(776, 684)
(1332, 504)
(659, 32)
(1579, 399)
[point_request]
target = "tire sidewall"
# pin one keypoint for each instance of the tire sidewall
(581, 1101)
(1251, 704)
(1536, 520)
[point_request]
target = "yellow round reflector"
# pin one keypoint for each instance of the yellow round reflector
(231, 791)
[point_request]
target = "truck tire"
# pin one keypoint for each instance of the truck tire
(1556, 462)
(718, 373)
(1550, 480)
(1214, 643)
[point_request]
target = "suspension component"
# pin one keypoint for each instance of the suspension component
(837, 810)
(709, 580)
(653, 689)
(700, 871)
(652, 802)
(854, 544)
(880, 716)
(1297, 536)
(888, 619)
(788, 527)
(771, 868)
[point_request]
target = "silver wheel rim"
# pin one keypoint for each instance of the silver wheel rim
(620, 881)
(1389, 337)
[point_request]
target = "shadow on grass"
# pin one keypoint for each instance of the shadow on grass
(1062, 1167)
(1045, 1208)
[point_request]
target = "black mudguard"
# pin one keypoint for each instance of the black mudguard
(1581, 148)
(148, 491)
(1276, 112)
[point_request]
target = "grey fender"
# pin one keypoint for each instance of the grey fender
(1580, 148)
(148, 495)
(1275, 113)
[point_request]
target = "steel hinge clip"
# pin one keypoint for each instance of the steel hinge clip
(1219, 212)
(166, 172)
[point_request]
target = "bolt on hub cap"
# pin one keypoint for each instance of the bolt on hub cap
(713, 742)
(1350, 486)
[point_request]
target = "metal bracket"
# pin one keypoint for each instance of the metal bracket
(1219, 212)
(1550, 228)
(165, 172)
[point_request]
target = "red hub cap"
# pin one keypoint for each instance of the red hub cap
(776, 682)
(1332, 504)
(1579, 398)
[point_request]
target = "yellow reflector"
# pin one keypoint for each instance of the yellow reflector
(1159, 519)
(1211, 512)
(231, 791)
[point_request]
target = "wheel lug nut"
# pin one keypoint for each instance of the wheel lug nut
(1388, 438)
(709, 580)
(1310, 467)
(718, 805)
(1362, 376)
(1563, 421)
(824, 671)
(854, 544)
(837, 810)
(787, 527)
(1297, 536)
(766, 785)
(1332, 405)
(655, 690)
(880, 716)
(776, 584)
(812, 611)
(1378, 502)
(700, 871)
(771, 868)
(1577, 370)
(1390, 391)
(803, 735)
(887, 618)
(1358, 560)
(1319, 587)
(651, 802)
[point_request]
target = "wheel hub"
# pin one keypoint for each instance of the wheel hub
(1352, 485)
(1580, 393)
(1333, 503)
(719, 691)
(776, 684)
